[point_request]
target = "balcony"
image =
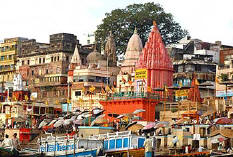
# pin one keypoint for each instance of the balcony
(7, 69)
(228, 103)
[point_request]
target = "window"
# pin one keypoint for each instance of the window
(47, 71)
(43, 60)
(51, 59)
(28, 62)
(32, 72)
(39, 60)
(78, 93)
(54, 59)
(58, 58)
(67, 58)
(22, 62)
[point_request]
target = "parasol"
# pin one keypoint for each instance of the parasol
(43, 123)
(59, 123)
(97, 111)
(135, 127)
(149, 126)
(78, 122)
(138, 111)
(67, 121)
(223, 120)
(73, 117)
(52, 122)
(161, 124)
(130, 124)
(99, 120)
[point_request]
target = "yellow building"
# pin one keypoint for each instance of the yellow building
(8, 58)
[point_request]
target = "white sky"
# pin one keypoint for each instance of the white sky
(208, 20)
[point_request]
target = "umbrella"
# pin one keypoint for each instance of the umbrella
(87, 115)
(59, 123)
(137, 118)
(73, 117)
(149, 126)
(135, 127)
(67, 121)
(97, 111)
(52, 122)
(120, 116)
(223, 120)
(80, 117)
(99, 120)
(78, 122)
(43, 123)
(128, 115)
(130, 124)
(138, 111)
(161, 124)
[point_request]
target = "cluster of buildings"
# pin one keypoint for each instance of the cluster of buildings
(63, 75)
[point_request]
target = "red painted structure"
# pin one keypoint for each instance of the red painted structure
(157, 61)
(122, 106)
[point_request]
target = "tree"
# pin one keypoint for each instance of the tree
(224, 77)
(123, 21)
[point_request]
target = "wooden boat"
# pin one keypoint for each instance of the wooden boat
(122, 144)
(68, 146)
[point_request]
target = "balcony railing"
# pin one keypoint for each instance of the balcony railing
(134, 95)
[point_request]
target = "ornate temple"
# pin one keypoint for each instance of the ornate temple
(155, 59)
(133, 51)
(89, 81)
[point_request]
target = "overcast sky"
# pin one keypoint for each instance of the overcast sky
(208, 20)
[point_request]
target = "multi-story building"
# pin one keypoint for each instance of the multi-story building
(92, 81)
(9, 50)
(225, 52)
(224, 82)
(44, 67)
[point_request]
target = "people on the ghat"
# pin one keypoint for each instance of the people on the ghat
(148, 147)
(15, 141)
(7, 143)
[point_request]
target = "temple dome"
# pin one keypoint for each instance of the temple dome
(135, 43)
(94, 57)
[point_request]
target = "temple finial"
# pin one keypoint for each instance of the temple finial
(135, 30)
(154, 23)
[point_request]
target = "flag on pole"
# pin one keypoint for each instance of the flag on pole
(92, 89)
(26, 97)
(83, 89)
(149, 89)
(196, 82)
(107, 88)
(102, 90)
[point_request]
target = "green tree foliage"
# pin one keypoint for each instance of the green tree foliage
(123, 21)
(224, 77)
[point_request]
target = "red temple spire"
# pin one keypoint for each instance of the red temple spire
(156, 60)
